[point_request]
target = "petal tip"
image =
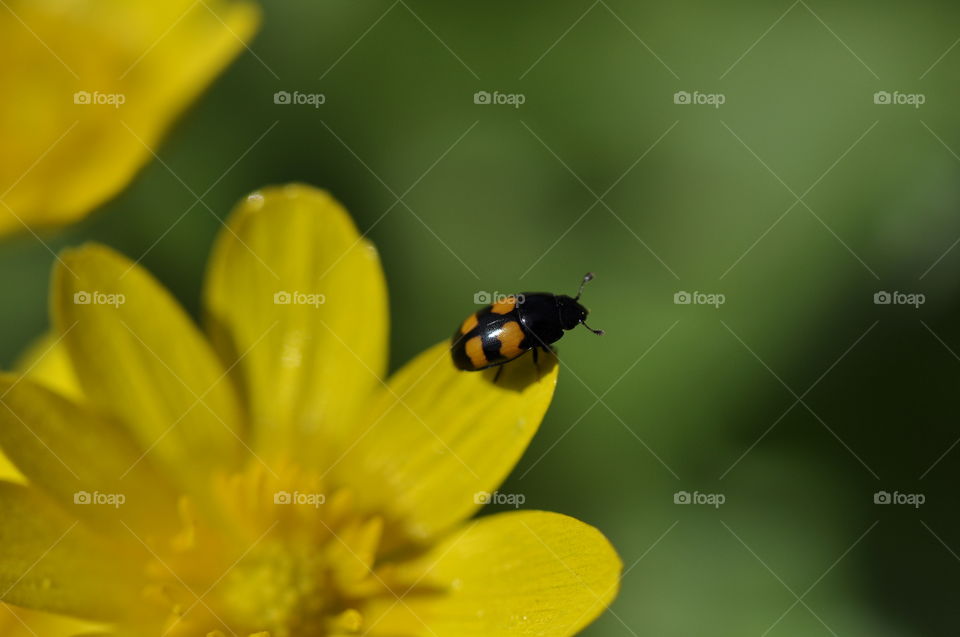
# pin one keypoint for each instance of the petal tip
(298, 196)
(91, 250)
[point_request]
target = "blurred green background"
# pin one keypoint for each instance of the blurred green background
(797, 399)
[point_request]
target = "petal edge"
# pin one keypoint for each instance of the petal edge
(523, 573)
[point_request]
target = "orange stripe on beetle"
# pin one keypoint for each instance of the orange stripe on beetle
(474, 348)
(468, 324)
(504, 306)
(510, 337)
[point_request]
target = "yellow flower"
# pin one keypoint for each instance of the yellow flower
(263, 479)
(89, 88)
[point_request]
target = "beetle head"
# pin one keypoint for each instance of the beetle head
(571, 312)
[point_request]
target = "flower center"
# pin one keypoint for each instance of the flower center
(272, 555)
(279, 587)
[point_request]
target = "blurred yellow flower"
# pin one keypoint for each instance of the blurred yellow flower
(89, 88)
(262, 479)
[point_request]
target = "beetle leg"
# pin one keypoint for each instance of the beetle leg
(496, 376)
(536, 360)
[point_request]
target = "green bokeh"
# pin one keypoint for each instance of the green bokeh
(674, 397)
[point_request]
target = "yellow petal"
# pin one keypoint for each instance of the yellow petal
(354, 552)
(525, 573)
(140, 357)
(77, 456)
(47, 362)
(49, 561)
(62, 158)
(9, 472)
(437, 440)
(19, 622)
(298, 297)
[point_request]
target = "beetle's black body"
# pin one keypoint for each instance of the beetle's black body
(506, 329)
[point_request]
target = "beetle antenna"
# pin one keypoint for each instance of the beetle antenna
(586, 277)
(597, 332)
